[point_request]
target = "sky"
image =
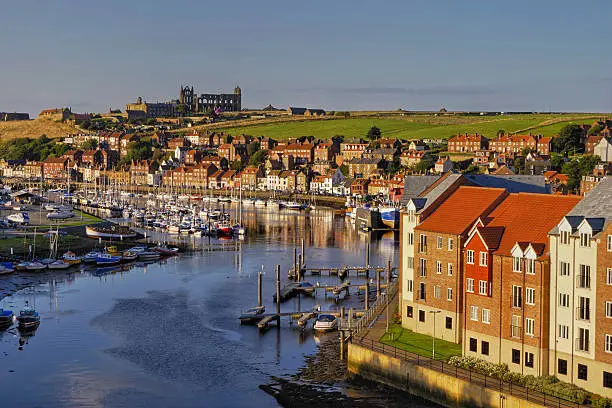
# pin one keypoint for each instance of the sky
(536, 55)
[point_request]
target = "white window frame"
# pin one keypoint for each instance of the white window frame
(585, 240)
(563, 331)
(438, 267)
(486, 316)
(449, 269)
(474, 313)
(564, 268)
(530, 296)
(530, 266)
(517, 264)
(563, 300)
(449, 294)
(411, 238)
(609, 310)
(469, 285)
(437, 292)
(439, 243)
(483, 259)
(469, 256)
(410, 285)
(517, 296)
(451, 244)
(608, 343)
(483, 287)
(564, 237)
(609, 243)
(609, 276)
(529, 326)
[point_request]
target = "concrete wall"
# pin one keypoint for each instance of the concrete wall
(428, 384)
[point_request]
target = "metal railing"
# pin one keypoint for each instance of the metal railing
(583, 281)
(583, 313)
(473, 377)
(375, 309)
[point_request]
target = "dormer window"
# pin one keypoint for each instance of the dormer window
(585, 239)
(565, 237)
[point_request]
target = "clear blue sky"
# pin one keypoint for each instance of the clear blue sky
(414, 54)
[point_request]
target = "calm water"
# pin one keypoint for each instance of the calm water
(167, 334)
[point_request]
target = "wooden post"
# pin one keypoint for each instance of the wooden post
(278, 299)
(342, 312)
(350, 317)
(295, 257)
(341, 345)
(367, 254)
(367, 294)
(377, 284)
(259, 288)
(388, 273)
(303, 254)
(299, 267)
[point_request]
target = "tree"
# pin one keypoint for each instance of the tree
(501, 132)
(258, 158)
(374, 133)
(568, 141)
(577, 168)
(337, 139)
(557, 161)
(595, 130)
(344, 170)
(252, 148)
(90, 144)
(236, 165)
(424, 165)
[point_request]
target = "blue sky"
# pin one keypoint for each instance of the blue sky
(411, 54)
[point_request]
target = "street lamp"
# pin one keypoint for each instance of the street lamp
(433, 339)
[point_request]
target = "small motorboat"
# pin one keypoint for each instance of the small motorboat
(91, 257)
(113, 250)
(129, 256)
(165, 250)
(260, 203)
(6, 317)
(71, 258)
(28, 317)
(325, 322)
(107, 259)
(20, 218)
(60, 215)
(35, 266)
(149, 256)
(252, 315)
(59, 264)
(6, 268)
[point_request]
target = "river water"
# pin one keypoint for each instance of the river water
(167, 334)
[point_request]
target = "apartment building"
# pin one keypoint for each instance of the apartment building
(506, 264)
(581, 293)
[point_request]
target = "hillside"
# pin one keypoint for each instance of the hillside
(34, 128)
(406, 127)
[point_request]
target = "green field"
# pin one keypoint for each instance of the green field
(414, 127)
(420, 344)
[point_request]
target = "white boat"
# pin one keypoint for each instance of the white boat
(260, 203)
(19, 218)
(60, 215)
(149, 256)
(5, 269)
(59, 264)
(116, 231)
(292, 205)
(326, 322)
(35, 266)
(174, 229)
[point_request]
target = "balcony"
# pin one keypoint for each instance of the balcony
(515, 331)
(583, 313)
(583, 281)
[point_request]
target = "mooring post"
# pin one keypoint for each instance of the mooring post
(350, 317)
(367, 294)
(388, 274)
(341, 345)
(259, 288)
(278, 299)
(367, 255)
(299, 267)
(342, 313)
(377, 284)
(295, 257)
(303, 254)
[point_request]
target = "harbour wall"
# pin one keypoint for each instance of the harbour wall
(426, 383)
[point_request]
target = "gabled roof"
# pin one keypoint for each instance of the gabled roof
(512, 183)
(415, 185)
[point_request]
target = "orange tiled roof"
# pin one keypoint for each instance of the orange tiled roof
(459, 212)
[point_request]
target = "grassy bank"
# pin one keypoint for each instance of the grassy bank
(34, 129)
(420, 344)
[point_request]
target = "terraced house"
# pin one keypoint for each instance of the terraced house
(506, 288)
(581, 293)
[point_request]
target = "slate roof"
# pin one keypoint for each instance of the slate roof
(512, 183)
(415, 185)
(597, 203)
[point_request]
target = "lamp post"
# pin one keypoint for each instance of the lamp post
(433, 339)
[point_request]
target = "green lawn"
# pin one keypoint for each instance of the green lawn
(413, 127)
(420, 344)
(39, 219)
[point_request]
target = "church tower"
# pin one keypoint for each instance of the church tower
(237, 98)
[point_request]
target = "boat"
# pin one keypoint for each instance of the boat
(325, 322)
(6, 317)
(71, 258)
(390, 216)
(165, 250)
(305, 287)
(149, 256)
(114, 231)
(28, 317)
(107, 259)
(292, 205)
(35, 266)
(129, 256)
(174, 229)
(19, 218)
(252, 315)
(260, 203)
(60, 215)
(59, 264)
(224, 229)
(6, 268)
(91, 257)
(113, 250)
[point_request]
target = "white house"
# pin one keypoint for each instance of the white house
(603, 149)
(443, 165)
(180, 153)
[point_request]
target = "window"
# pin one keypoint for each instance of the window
(582, 372)
(530, 296)
(585, 239)
(584, 308)
(609, 240)
(438, 267)
(409, 285)
(451, 244)
(422, 243)
(584, 278)
(608, 343)
(516, 356)
(449, 293)
(410, 262)
(582, 343)
(483, 259)
(439, 243)
(409, 311)
(528, 359)
(421, 291)
(563, 300)
(411, 238)
(437, 292)
(470, 256)
(449, 268)
(563, 331)
(486, 316)
(562, 366)
(529, 326)
(449, 323)
(530, 266)
(517, 296)
(564, 268)
(609, 276)
(482, 287)
(474, 313)
(608, 309)
(517, 265)
(421, 315)
(516, 326)
(469, 285)
(607, 379)
(565, 237)
(422, 267)
(484, 348)
(473, 345)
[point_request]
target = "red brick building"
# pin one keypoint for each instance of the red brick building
(467, 143)
(55, 168)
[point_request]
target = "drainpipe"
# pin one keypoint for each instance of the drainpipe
(501, 306)
(556, 302)
(573, 338)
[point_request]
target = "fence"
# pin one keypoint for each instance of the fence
(373, 310)
(470, 376)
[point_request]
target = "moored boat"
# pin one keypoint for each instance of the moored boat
(107, 259)
(252, 315)
(28, 317)
(71, 258)
(149, 256)
(165, 250)
(35, 266)
(6, 268)
(115, 231)
(59, 264)
(6, 317)
(325, 322)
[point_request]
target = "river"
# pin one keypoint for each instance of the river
(167, 334)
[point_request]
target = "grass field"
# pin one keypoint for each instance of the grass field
(34, 129)
(413, 127)
(420, 344)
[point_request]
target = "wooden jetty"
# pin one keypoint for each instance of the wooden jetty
(341, 271)
(267, 319)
